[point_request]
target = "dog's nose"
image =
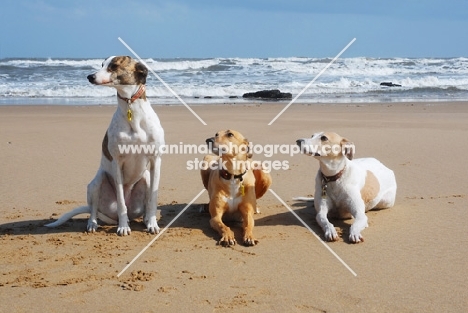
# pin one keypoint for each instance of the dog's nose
(91, 78)
(210, 143)
(300, 142)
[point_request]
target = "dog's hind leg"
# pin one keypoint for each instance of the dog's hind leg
(136, 202)
(152, 196)
(388, 199)
(93, 194)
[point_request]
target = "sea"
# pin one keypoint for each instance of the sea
(57, 81)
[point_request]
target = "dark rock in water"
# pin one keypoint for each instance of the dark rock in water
(268, 94)
(207, 97)
(233, 97)
(389, 84)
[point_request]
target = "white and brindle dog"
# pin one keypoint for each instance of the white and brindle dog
(126, 185)
(344, 187)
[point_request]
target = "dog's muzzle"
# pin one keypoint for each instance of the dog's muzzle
(211, 145)
(301, 144)
(306, 149)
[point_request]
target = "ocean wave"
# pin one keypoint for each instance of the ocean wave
(221, 78)
(180, 65)
(27, 63)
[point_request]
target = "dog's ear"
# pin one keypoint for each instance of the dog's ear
(348, 148)
(249, 153)
(140, 73)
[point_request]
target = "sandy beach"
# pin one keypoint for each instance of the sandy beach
(414, 258)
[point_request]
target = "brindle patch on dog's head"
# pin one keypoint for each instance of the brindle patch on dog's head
(126, 71)
(121, 70)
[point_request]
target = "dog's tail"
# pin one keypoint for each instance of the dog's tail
(303, 199)
(65, 217)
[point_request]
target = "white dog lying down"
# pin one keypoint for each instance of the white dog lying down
(344, 187)
(126, 185)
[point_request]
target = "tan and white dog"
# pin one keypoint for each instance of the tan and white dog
(126, 184)
(233, 184)
(345, 187)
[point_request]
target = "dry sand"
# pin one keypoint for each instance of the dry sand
(414, 258)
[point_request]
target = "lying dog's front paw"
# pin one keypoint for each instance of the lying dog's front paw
(124, 231)
(331, 234)
(152, 225)
(92, 226)
(228, 239)
(250, 241)
(227, 242)
(356, 238)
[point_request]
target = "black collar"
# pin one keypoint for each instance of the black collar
(227, 176)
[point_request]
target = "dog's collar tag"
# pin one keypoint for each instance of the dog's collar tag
(324, 189)
(242, 190)
(129, 114)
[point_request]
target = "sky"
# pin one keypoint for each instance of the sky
(233, 28)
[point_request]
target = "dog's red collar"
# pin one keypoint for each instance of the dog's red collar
(327, 179)
(333, 178)
(137, 95)
(227, 176)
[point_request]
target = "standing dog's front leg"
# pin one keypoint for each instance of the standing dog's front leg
(123, 229)
(152, 196)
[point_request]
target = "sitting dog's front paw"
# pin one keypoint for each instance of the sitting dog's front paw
(152, 225)
(227, 239)
(331, 234)
(124, 228)
(92, 226)
(124, 231)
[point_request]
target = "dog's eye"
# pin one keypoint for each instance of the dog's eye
(230, 135)
(323, 138)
